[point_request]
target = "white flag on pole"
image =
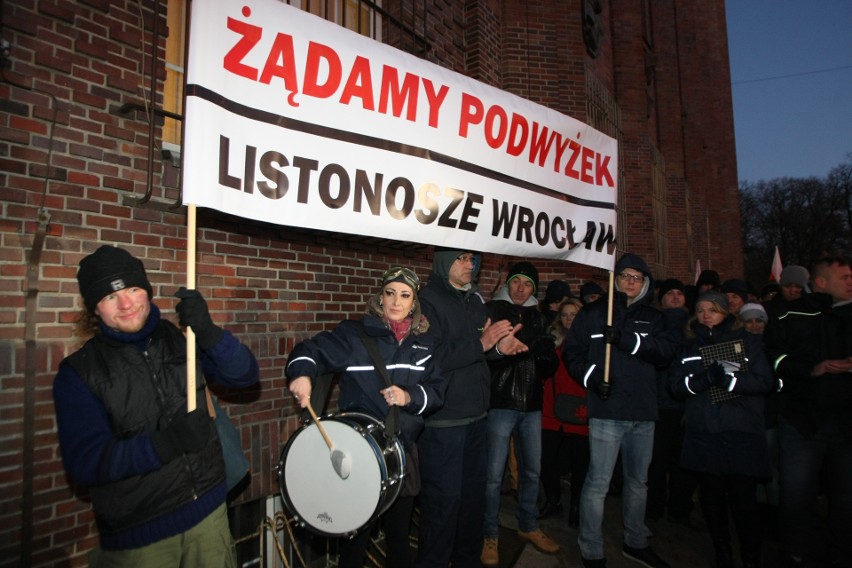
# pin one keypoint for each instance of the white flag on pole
(775, 273)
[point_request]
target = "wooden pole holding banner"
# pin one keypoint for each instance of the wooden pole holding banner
(609, 322)
(190, 285)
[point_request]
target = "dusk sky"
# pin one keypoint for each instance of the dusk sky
(791, 75)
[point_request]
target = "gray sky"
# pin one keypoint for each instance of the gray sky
(791, 75)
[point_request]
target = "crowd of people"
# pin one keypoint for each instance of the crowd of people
(664, 391)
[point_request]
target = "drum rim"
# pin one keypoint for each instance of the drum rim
(392, 489)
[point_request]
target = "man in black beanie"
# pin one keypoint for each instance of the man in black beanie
(591, 291)
(155, 472)
(708, 280)
(669, 485)
(736, 290)
(671, 294)
(515, 412)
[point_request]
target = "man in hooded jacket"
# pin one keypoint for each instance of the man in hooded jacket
(453, 444)
(622, 409)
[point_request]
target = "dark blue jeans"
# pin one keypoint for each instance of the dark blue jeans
(452, 495)
(635, 441)
(805, 462)
(526, 427)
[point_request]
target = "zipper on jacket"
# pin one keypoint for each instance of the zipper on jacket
(162, 400)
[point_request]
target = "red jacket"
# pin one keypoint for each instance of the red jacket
(564, 384)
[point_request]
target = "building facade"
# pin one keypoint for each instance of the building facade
(89, 155)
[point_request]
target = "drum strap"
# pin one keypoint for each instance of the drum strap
(319, 394)
(392, 419)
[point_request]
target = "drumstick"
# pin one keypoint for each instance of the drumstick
(339, 460)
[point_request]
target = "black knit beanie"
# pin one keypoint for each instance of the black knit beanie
(736, 286)
(557, 291)
(668, 285)
(710, 277)
(526, 270)
(108, 270)
(589, 288)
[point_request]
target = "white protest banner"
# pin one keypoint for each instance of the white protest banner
(294, 120)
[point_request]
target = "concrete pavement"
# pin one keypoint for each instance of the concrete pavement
(680, 546)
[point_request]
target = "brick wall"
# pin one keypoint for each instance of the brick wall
(272, 285)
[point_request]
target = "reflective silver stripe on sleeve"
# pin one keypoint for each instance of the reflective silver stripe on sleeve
(420, 362)
(389, 367)
(301, 359)
(425, 400)
(778, 362)
(587, 375)
(686, 382)
(638, 343)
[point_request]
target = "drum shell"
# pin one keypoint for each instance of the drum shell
(317, 497)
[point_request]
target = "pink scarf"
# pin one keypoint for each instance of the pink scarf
(400, 329)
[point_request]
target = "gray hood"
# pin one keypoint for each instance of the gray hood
(634, 261)
(444, 259)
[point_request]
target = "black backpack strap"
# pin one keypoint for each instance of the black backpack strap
(319, 394)
(392, 419)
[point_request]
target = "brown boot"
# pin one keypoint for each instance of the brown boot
(541, 541)
(490, 556)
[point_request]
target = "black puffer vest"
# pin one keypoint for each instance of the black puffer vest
(142, 390)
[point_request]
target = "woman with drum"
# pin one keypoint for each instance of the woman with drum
(394, 323)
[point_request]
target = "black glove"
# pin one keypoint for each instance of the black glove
(187, 433)
(716, 372)
(728, 380)
(602, 389)
(612, 334)
(193, 312)
(621, 340)
(703, 380)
